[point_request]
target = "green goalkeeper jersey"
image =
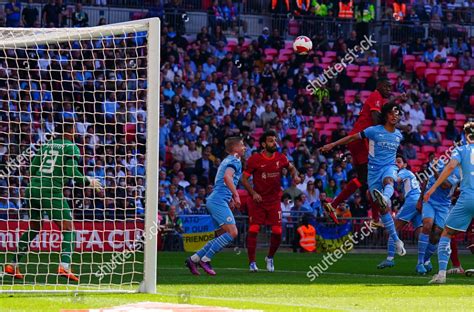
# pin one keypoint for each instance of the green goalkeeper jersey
(54, 164)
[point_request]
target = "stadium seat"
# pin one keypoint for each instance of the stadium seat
(459, 124)
(409, 61)
(330, 126)
(466, 79)
(460, 117)
(449, 109)
(292, 133)
(319, 125)
(427, 122)
(364, 74)
(335, 120)
(326, 60)
(330, 54)
(321, 119)
(442, 80)
(452, 61)
(450, 116)
(454, 89)
(419, 68)
(458, 72)
(352, 74)
(417, 148)
(392, 75)
(441, 123)
(425, 129)
(415, 162)
(459, 79)
(283, 58)
(286, 51)
(428, 149)
(365, 68)
(430, 75)
(359, 80)
(434, 65)
(365, 93)
(289, 44)
(471, 100)
(270, 51)
(446, 142)
(350, 92)
(319, 53)
(445, 72)
(441, 150)
(352, 67)
(327, 133)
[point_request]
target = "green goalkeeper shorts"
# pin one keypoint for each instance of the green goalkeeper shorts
(44, 202)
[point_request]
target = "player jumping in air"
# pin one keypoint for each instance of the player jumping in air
(461, 215)
(359, 148)
(408, 213)
(434, 214)
(265, 207)
(223, 196)
(52, 167)
(384, 141)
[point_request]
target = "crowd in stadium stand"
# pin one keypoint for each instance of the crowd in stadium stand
(215, 85)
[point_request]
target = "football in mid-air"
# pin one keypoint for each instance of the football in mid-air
(302, 45)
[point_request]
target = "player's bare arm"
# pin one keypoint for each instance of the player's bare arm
(419, 204)
(295, 175)
(229, 182)
(346, 140)
(443, 176)
(245, 182)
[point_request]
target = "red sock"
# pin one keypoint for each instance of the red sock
(275, 241)
(251, 245)
(348, 190)
(454, 253)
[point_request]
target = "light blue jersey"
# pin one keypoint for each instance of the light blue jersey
(437, 207)
(461, 215)
(412, 192)
(221, 191)
(218, 202)
(410, 184)
(383, 146)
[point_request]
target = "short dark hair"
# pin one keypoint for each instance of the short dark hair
(469, 129)
(387, 109)
(402, 157)
(265, 135)
(230, 142)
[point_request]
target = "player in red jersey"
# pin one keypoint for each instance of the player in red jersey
(265, 208)
(369, 116)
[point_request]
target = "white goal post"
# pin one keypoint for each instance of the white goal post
(104, 80)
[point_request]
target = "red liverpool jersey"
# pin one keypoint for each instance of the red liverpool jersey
(374, 102)
(267, 175)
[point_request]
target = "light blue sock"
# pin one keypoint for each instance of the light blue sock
(201, 252)
(390, 249)
(444, 251)
(430, 250)
(423, 241)
(218, 244)
(390, 226)
(388, 190)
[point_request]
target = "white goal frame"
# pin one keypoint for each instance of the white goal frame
(31, 37)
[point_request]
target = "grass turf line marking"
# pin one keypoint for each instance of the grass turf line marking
(251, 300)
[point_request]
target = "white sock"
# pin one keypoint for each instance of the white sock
(390, 258)
(65, 265)
(195, 258)
(205, 259)
(442, 273)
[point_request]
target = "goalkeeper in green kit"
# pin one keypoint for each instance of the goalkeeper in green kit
(51, 168)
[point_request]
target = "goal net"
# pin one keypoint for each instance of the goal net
(79, 106)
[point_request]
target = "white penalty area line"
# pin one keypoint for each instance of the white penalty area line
(325, 273)
(254, 300)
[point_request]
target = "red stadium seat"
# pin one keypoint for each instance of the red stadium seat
(434, 65)
(326, 60)
(365, 93)
(445, 72)
(425, 129)
(364, 74)
(441, 129)
(458, 72)
(449, 110)
(365, 68)
(417, 148)
(409, 61)
(430, 75)
(419, 68)
(359, 80)
(466, 79)
(428, 149)
(350, 92)
(320, 119)
(270, 51)
(460, 117)
(427, 122)
(352, 74)
(335, 120)
(415, 162)
(392, 75)
(441, 123)
(454, 89)
(286, 51)
(327, 133)
(452, 61)
(442, 80)
(319, 125)
(459, 124)
(289, 44)
(330, 54)
(441, 150)
(352, 67)
(459, 79)
(283, 58)
(292, 133)
(446, 142)
(450, 116)
(471, 100)
(330, 126)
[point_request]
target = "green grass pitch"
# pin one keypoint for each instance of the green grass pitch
(351, 284)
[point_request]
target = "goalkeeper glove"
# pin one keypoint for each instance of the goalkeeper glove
(95, 183)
